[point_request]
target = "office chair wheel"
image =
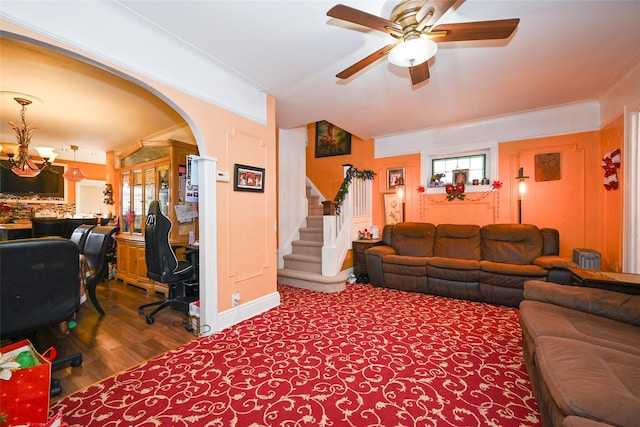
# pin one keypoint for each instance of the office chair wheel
(76, 362)
(140, 311)
(149, 320)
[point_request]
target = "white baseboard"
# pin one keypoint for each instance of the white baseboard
(248, 310)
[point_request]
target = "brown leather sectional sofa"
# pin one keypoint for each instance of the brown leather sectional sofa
(581, 348)
(489, 263)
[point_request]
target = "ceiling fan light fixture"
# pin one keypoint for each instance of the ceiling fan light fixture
(410, 53)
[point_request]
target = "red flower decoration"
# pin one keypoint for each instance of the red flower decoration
(450, 189)
(420, 189)
(497, 185)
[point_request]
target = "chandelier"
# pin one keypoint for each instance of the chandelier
(21, 162)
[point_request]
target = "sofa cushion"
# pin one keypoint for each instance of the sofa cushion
(457, 241)
(405, 265)
(542, 319)
(590, 381)
(573, 421)
(511, 243)
(529, 270)
(550, 241)
(413, 239)
(612, 305)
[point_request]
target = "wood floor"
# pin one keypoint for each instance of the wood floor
(115, 342)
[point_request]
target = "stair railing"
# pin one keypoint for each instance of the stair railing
(337, 225)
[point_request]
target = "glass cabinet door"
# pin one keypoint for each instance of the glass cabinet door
(137, 201)
(125, 197)
(149, 188)
(163, 189)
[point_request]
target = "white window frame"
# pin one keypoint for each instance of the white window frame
(489, 149)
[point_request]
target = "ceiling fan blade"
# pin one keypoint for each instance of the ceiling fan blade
(482, 30)
(348, 72)
(359, 17)
(437, 8)
(419, 73)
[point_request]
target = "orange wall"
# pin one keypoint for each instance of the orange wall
(573, 204)
(247, 251)
(612, 137)
(91, 170)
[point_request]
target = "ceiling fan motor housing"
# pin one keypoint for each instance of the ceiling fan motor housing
(404, 14)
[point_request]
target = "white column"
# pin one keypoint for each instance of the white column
(631, 214)
(207, 214)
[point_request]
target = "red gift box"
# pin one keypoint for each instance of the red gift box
(24, 398)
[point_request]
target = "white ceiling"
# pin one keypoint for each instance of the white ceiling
(563, 52)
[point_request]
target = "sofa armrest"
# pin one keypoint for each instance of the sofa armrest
(553, 261)
(613, 305)
(374, 263)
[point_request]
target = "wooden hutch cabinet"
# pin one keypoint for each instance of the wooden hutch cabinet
(149, 171)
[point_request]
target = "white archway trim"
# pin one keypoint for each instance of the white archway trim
(631, 215)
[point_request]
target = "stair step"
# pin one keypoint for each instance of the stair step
(305, 247)
(315, 221)
(311, 264)
(311, 281)
(315, 211)
(311, 234)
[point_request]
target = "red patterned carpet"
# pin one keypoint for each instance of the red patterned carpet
(363, 357)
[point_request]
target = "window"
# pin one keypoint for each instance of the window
(475, 164)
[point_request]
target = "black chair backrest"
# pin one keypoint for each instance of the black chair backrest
(73, 223)
(40, 284)
(79, 235)
(99, 240)
(42, 227)
(159, 255)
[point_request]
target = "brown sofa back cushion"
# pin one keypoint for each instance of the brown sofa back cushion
(511, 243)
(550, 241)
(413, 238)
(457, 241)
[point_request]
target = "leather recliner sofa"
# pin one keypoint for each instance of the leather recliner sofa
(489, 264)
(581, 348)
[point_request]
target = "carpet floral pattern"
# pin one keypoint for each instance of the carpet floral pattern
(363, 357)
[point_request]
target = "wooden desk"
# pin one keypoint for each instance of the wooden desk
(627, 283)
(15, 231)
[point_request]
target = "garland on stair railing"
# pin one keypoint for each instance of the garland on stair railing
(344, 188)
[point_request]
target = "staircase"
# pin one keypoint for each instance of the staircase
(303, 267)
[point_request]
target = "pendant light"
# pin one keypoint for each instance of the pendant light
(74, 173)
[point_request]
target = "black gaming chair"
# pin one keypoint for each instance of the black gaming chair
(162, 264)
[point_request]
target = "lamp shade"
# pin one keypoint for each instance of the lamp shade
(413, 52)
(74, 174)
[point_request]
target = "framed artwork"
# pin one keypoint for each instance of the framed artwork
(395, 177)
(248, 178)
(331, 140)
(460, 176)
(547, 167)
(392, 209)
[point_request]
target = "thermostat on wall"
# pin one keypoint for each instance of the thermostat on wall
(223, 176)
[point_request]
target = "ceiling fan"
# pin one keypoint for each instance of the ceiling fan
(412, 25)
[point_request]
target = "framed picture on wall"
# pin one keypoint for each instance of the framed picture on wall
(392, 209)
(331, 140)
(395, 177)
(248, 178)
